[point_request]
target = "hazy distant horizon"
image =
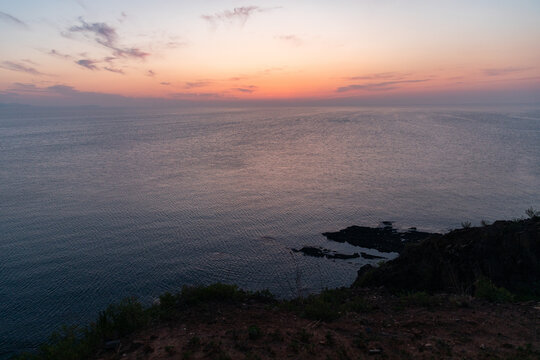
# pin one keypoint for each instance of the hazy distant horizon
(117, 101)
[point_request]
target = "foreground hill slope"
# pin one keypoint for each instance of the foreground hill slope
(386, 326)
(418, 306)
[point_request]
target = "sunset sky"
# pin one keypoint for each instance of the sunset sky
(117, 52)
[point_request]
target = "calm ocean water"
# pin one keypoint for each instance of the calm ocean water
(100, 204)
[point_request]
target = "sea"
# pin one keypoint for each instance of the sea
(98, 204)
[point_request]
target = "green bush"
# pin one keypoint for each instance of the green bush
(121, 319)
(68, 344)
(193, 295)
(128, 316)
(318, 309)
(357, 305)
(73, 343)
(325, 306)
(264, 296)
(485, 289)
(168, 307)
(328, 305)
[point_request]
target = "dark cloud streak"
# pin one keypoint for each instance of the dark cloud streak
(131, 52)
(87, 63)
(107, 36)
(195, 84)
(53, 52)
(503, 71)
(13, 66)
(238, 14)
(380, 76)
(117, 71)
(246, 89)
(12, 20)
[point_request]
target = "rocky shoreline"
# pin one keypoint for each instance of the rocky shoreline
(472, 293)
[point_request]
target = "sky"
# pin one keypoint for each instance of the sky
(120, 52)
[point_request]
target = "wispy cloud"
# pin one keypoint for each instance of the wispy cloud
(150, 73)
(238, 15)
(117, 71)
(292, 39)
(63, 89)
(25, 88)
(165, 83)
(380, 76)
(131, 52)
(378, 86)
(176, 44)
(504, 71)
(107, 36)
(106, 63)
(87, 63)
(12, 20)
(14, 66)
(56, 53)
(195, 84)
(191, 96)
(246, 89)
(28, 61)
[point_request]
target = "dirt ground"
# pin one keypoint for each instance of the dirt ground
(453, 328)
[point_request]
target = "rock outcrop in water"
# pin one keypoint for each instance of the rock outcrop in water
(329, 254)
(507, 253)
(321, 252)
(384, 239)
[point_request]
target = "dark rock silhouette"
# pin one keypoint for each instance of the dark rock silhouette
(507, 253)
(384, 239)
(371, 257)
(321, 252)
